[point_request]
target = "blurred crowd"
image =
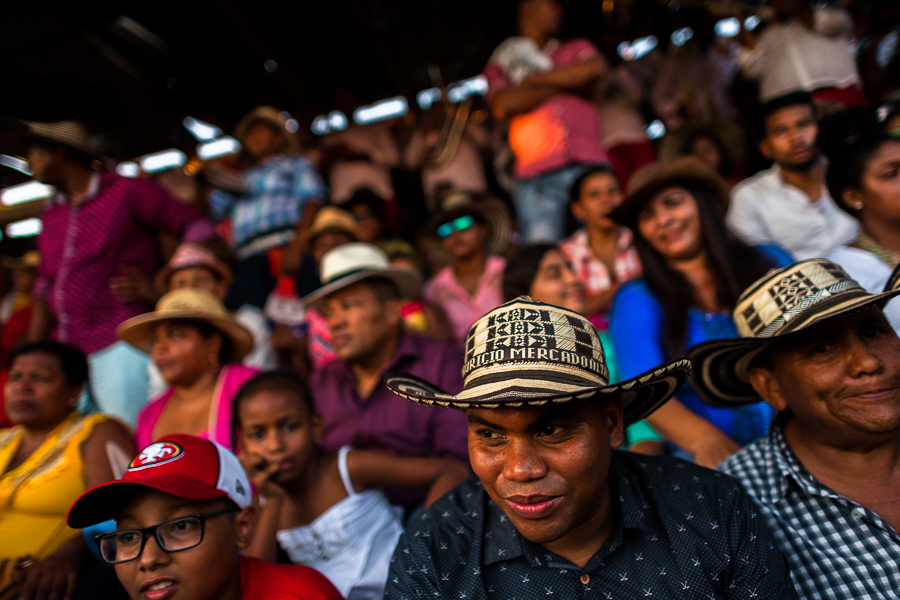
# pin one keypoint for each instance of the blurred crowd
(259, 300)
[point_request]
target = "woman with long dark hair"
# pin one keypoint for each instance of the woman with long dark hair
(863, 177)
(694, 271)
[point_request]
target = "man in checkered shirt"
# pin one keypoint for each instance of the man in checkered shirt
(827, 477)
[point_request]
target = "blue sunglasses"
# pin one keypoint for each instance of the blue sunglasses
(459, 224)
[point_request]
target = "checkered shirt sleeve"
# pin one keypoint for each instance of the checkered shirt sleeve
(836, 548)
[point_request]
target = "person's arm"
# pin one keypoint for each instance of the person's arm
(40, 326)
(292, 256)
(375, 469)
(758, 568)
(636, 326)
(156, 209)
(271, 498)
(533, 91)
(744, 219)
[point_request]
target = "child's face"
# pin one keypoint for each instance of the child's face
(276, 427)
(207, 571)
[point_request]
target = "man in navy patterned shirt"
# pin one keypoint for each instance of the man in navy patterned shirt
(556, 509)
(818, 348)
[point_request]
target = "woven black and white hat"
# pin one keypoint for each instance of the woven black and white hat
(527, 353)
(782, 303)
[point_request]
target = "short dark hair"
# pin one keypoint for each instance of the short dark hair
(772, 106)
(72, 361)
(282, 381)
(521, 269)
(575, 189)
(383, 288)
(70, 153)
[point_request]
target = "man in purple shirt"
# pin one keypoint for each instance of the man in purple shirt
(361, 300)
(545, 90)
(98, 229)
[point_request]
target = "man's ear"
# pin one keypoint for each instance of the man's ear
(613, 412)
(393, 311)
(765, 149)
(763, 381)
(245, 525)
(578, 212)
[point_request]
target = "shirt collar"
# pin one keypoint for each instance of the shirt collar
(781, 466)
(503, 542)
(96, 182)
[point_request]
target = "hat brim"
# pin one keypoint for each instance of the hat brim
(640, 395)
(138, 331)
(165, 273)
(307, 235)
(670, 175)
(408, 283)
(721, 375)
(99, 503)
(492, 211)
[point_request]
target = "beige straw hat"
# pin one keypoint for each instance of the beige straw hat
(783, 302)
(188, 304)
(272, 116)
(329, 219)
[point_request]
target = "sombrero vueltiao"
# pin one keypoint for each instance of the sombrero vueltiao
(527, 353)
(782, 303)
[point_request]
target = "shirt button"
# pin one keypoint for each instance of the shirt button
(585, 579)
(857, 513)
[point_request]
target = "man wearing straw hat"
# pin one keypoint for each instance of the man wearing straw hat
(556, 509)
(361, 301)
(99, 235)
(817, 347)
(274, 199)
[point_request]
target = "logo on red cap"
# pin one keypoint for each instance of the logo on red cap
(155, 455)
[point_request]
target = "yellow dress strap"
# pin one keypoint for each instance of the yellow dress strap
(64, 442)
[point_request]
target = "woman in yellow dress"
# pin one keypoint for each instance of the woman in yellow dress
(50, 456)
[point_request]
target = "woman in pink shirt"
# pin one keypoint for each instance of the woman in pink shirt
(197, 347)
(472, 232)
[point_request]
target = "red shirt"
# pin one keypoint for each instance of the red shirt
(261, 580)
(563, 130)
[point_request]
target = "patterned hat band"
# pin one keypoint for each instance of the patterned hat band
(782, 297)
(519, 358)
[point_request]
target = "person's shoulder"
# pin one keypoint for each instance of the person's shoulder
(269, 581)
(749, 188)
(779, 257)
(428, 346)
(751, 466)
(665, 472)
(634, 294)
(453, 519)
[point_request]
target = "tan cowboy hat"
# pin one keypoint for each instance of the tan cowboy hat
(491, 210)
(189, 255)
(188, 304)
(783, 302)
(654, 178)
(71, 133)
(329, 219)
(528, 353)
(350, 263)
(271, 115)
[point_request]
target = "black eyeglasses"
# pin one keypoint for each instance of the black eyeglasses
(174, 535)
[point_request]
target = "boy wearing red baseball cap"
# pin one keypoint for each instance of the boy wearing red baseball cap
(183, 511)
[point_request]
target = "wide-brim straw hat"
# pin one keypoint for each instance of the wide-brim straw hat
(273, 116)
(71, 133)
(357, 261)
(781, 304)
(328, 219)
(687, 171)
(188, 304)
(491, 210)
(188, 256)
(527, 353)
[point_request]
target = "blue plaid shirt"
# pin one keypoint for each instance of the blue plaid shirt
(277, 191)
(836, 548)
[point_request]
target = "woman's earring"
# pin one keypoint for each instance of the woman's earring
(857, 206)
(213, 359)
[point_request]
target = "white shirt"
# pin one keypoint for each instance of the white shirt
(790, 57)
(870, 273)
(766, 210)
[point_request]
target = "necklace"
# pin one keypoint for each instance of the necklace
(868, 243)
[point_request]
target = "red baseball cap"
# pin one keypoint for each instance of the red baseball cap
(182, 465)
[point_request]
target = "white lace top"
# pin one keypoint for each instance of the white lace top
(351, 543)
